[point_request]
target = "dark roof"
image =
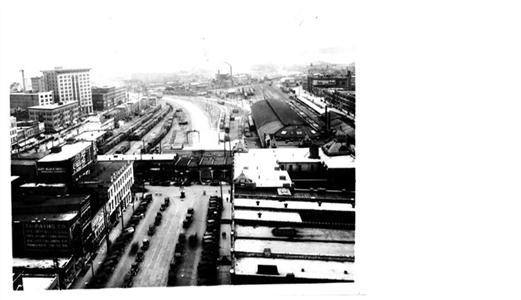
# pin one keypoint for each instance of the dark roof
(103, 170)
(272, 110)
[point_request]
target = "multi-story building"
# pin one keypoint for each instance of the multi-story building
(55, 116)
(28, 129)
(12, 130)
(50, 225)
(70, 85)
(105, 98)
(285, 232)
(21, 101)
(316, 83)
(37, 84)
(66, 164)
(109, 183)
(341, 99)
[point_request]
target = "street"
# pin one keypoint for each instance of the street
(154, 269)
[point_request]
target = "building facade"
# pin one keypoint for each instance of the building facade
(37, 84)
(55, 116)
(70, 85)
(105, 98)
(110, 183)
(67, 163)
(21, 101)
(12, 130)
(28, 129)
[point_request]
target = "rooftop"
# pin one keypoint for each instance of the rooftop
(37, 283)
(296, 205)
(103, 171)
(34, 263)
(90, 135)
(301, 268)
(262, 165)
(60, 70)
(318, 234)
(45, 217)
(253, 215)
(68, 151)
(325, 249)
(52, 106)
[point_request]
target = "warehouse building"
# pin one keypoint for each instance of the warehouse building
(286, 232)
(109, 184)
(276, 121)
(66, 163)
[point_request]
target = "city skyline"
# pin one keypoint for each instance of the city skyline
(119, 38)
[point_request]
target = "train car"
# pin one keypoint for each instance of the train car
(250, 123)
(227, 124)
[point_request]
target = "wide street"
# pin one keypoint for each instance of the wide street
(154, 268)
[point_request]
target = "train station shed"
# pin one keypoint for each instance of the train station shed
(274, 119)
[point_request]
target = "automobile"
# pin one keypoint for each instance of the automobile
(134, 269)
(145, 245)
(157, 221)
(192, 240)
(151, 230)
(167, 201)
(163, 207)
(190, 210)
(182, 238)
(134, 248)
(128, 232)
(186, 224)
(140, 256)
(182, 195)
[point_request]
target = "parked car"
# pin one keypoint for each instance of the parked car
(145, 245)
(134, 248)
(151, 230)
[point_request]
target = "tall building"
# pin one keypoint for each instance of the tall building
(105, 98)
(70, 85)
(22, 101)
(55, 116)
(37, 84)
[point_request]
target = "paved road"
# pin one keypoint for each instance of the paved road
(155, 267)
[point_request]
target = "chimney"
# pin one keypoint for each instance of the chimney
(313, 152)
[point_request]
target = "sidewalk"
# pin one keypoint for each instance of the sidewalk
(80, 282)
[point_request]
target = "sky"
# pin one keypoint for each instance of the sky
(117, 38)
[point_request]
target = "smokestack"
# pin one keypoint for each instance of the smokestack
(23, 79)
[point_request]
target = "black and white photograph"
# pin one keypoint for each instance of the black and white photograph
(167, 148)
(260, 149)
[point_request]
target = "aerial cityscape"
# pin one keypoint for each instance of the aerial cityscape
(198, 176)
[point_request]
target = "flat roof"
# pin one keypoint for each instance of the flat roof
(90, 135)
(103, 171)
(319, 234)
(114, 157)
(52, 106)
(36, 263)
(301, 268)
(302, 205)
(261, 167)
(266, 215)
(327, 249)
(37, 283)
(269, 158)
(68, 151)
(67, 70)
(46, 217)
